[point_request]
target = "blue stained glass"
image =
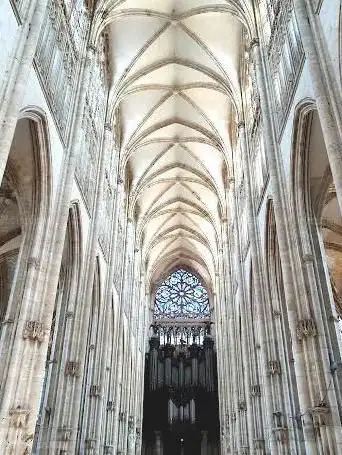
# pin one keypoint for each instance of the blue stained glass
(182, 295)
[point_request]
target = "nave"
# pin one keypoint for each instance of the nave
(170, 227)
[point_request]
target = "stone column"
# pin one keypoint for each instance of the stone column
(223, 351)
(87, 285)
(112, 405)
(259, 283)
(243, 312)
(27, 369)
(326, 90)
(138, 441)
(298, 308)
(117, 385)
(19, 66)
(131, 436)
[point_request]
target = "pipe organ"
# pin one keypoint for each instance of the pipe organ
(181, 401)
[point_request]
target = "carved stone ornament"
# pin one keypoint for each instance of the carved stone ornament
(34, 331)
(320, 415)
(64, 433)
(242, 405)
(95, 391)
(72, 368)
(110, 405)
(108, 450)
(90, 443)
(254, 42)
(131, 423)
(255, 390)
(122, 416)
(274, 367)
(244, 450)
(281, 434)
(18, 417)
(306, 328)
(259, 444)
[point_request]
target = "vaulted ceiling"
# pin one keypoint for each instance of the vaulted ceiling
(175, 67)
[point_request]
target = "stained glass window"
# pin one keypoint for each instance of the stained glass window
(182, 295)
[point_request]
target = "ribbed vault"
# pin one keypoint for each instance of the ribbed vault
(175, 94)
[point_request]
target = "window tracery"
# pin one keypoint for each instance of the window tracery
(181, 296)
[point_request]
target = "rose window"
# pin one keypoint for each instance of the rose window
(182, 295)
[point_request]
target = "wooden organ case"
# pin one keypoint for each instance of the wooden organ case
(181, 400)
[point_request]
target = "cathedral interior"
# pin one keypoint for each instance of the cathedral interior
(171, 227)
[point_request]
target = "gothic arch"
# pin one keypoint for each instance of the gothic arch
(55, 385)
(42, 164)
(340, 42)
(318, 217)
(319, 226)
(273, 263)
(91, 384)
(25, 200)
(277, 330)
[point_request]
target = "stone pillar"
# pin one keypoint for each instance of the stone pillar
(138, 442)
(27, 369)
(107, 301)
(223, 349)
(131, 436)
(19, 66)
(112, 408)
(243, 306)
(297, 304)
(326, 90)
(117, 380)
(87, 285)
(253, 234)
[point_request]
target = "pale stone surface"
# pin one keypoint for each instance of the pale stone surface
(124, 159)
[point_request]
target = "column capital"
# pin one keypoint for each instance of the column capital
(306, 328)
(19, 417)
(34, 331)
(230, 180)
(64, 433)
(131, 424)
(95, 390)
(255, 390)
(255, 42)
(242, 405)
(274, 367)
(108, 127)
(110, 405)
(91, 50)
(72, 368)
